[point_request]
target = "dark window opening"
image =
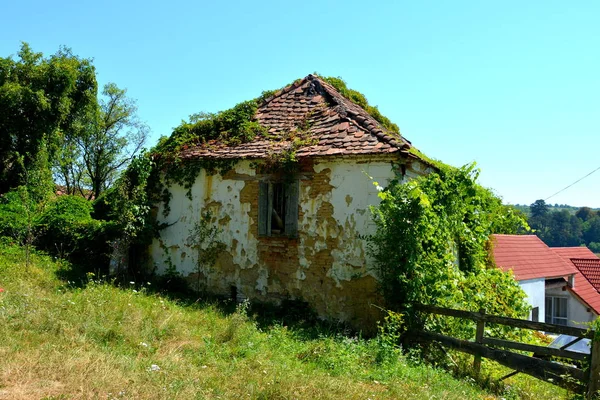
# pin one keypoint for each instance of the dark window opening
(278, 208)
(535, 314)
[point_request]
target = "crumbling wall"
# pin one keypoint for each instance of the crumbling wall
(326, 265)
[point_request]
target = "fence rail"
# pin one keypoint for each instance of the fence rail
(559, 374)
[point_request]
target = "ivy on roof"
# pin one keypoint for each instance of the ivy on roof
(237, 124)
(359, 99)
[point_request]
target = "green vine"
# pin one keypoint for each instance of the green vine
(432, 246)
(359, 99)
(285, 162)
(204, 238)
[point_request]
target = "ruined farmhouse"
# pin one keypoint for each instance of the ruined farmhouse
(290, 234)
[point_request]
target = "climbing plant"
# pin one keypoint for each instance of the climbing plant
(432, 245)
(359, 99)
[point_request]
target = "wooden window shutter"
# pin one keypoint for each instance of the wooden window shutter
(292, 193)
(263, 208)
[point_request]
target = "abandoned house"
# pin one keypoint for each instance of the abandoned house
(297, 236)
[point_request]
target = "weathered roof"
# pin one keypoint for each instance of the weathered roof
(529, 258)
(587, 279)
(340, 126)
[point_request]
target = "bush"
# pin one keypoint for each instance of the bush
(67, 230)
(432, 247)
(13, 216)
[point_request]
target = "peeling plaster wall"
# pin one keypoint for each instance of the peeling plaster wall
(326, 265)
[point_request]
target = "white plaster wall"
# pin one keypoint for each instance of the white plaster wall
(576, 309)
(349, 192)
(535, 291)
(353, 191)
(222, 199)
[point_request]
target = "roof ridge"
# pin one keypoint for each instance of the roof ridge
(365, 121)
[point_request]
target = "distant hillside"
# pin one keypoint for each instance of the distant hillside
(552, 208)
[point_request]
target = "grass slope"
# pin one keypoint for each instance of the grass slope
(104, 342)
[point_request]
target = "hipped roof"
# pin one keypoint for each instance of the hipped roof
(529, 258)
(587, 278)
(339, 126)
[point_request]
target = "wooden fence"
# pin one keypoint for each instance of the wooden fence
(563, 375)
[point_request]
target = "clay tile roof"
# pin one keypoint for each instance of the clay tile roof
(590, 268)
(587, 278)
(341, 127)
(574, 252)
(529, 258)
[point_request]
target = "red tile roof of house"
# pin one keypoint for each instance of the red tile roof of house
(340, 126)
(586, 281)
(574, 252)
(529, 258)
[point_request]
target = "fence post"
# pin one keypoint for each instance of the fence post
(594, 378)
(479, 339)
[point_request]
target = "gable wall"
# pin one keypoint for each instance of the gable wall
(579, 314)
(326, 265)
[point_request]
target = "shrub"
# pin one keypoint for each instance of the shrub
(432, 246)
(66, 229)
(13, 216)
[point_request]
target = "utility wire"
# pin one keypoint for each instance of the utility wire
(578, 180)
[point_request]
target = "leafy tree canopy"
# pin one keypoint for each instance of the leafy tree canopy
(40, 101)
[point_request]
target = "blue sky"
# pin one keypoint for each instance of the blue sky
(512, 85)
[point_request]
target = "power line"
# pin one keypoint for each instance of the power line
(578, 180)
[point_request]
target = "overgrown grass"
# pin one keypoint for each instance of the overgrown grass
(58, 341)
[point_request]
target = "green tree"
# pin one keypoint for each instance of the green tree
(40, 101)
(591, 230)
(585, 213)
(563, 229)
(539, 208)
(106, 140)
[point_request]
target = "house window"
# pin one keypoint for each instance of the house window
(278, 209)
(556, 310)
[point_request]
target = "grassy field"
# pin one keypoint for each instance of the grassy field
(59, 341)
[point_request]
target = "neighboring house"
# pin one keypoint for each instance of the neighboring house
(587, 276)
(299, 239)
(557, 291)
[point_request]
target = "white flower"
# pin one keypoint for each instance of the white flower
(143, 344)
(154, 368)
(379, 188)
(132, 283)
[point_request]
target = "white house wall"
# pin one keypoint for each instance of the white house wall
(326, 265)
(534, 289)
(577, 311)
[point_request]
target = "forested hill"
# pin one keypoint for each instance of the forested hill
(564, 225)
(524, 208)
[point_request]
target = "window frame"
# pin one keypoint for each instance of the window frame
(552, 313)
(265, 204)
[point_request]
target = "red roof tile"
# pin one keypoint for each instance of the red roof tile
(340, 126)
(590, 268)
(529, 258)
(585, 287)
(574, 252)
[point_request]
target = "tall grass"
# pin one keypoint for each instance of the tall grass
(58, 341)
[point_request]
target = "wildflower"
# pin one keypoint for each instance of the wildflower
(153, 368)
(143, 344)
(1, 290)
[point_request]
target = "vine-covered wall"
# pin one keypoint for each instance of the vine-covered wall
(326, 265)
